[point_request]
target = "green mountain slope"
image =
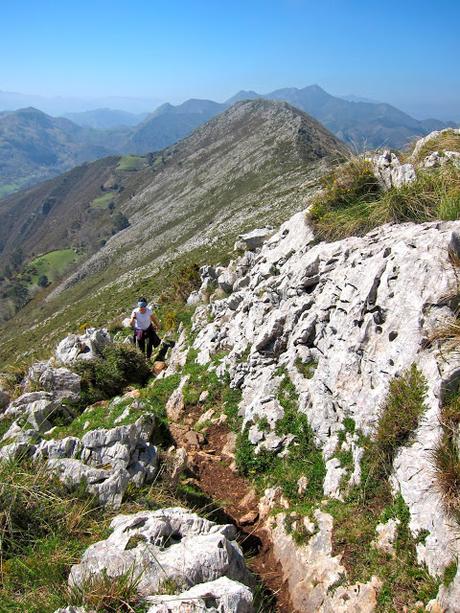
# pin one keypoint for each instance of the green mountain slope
(253, 165)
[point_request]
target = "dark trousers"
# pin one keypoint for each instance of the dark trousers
(153, 340)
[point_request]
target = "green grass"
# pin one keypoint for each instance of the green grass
(8, 188)
(304, 459)
(102, 202)
(352, 201)
(43, 531)
(307, 369)
(405, 582)
(130, 163)
(400, 415)
(52, 264)
(450, 572)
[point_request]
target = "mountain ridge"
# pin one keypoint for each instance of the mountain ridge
(360, 124)
(250, 162)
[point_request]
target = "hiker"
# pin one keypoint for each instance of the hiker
(145, 324)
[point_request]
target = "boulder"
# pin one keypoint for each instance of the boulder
(108, 459)
(386, 536)
(390, 172)
(253, 240)
(37, 409)
(61, 382)
(169, 544)
(220, 596)
(86, 346)
(108, 485)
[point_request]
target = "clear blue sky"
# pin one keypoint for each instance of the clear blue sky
(404, 52)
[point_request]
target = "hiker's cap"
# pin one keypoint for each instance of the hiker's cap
(142, 303)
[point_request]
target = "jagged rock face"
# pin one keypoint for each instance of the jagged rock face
(169, 544)
(107, 459)
(357, 312)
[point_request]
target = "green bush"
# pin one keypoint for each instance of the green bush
(105, 377)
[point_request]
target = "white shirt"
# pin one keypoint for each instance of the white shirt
(142, 320)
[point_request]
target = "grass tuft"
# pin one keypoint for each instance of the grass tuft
(446, 456)
(353, 202)
(400, 416)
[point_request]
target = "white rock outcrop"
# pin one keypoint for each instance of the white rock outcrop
(85, 346)
(357, 313)
(390, 172)
(108, 459)
(220, 596)
(170, 544)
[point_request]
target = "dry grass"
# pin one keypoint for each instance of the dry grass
(352, 201)
(446, 456)
(108, 594)
(446, 141)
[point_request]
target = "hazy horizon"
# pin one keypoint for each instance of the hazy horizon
(62, 105)
(155, 52)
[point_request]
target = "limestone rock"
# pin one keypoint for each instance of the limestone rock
(386, 536)
(253, 240)
(86, 346)
(175, 405)
(68, 447)
(108, 485)
(311, 571)
(430, 137)
(391, 173)
(108, 459)
(61, 382)
(178, 355)
(359, 311)
(168, 544)
(220, 596)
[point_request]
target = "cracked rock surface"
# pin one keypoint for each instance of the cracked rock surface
(356, 313)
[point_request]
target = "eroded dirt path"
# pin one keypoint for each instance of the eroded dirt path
(212, 473)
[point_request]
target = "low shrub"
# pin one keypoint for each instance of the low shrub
(105, 377)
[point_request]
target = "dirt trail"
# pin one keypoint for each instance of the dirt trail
(212, 473)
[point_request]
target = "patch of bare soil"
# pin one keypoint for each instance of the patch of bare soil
(215, 477)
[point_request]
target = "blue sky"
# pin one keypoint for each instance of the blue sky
(406, 53)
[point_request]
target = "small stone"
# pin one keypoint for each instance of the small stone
(249, 518)
(302, 485)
